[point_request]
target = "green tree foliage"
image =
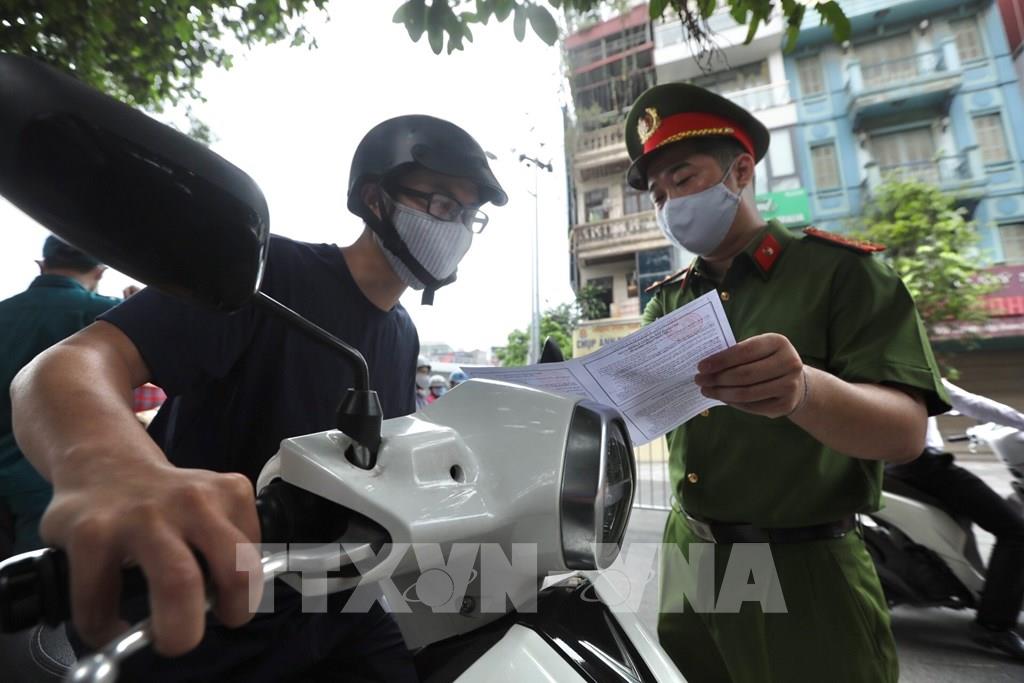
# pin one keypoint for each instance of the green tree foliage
(932, 247)
(152, 53)
(590, 301)
(146, 52)
(557, 323)
(454, 18)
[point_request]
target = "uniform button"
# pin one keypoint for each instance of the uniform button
(768, 251)
(705, 413)
(725, 296)
(692, 478)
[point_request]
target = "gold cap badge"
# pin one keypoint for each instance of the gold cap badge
(647, 124)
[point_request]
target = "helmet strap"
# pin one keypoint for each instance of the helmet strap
(393, 242)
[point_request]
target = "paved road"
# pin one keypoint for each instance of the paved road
(931, 642)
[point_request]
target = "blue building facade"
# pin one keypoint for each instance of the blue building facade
(923, 89)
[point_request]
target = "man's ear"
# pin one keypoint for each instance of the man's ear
(369, 193)
(743, 170)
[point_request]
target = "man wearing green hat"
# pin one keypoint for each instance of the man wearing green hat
(831, 377)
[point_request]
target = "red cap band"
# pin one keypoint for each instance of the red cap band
(693, 125)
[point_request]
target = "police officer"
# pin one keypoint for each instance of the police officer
(239, 384)
(832, 375)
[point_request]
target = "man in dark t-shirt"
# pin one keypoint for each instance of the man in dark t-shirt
(237, 385)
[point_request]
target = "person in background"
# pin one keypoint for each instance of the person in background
(456, 378)
(964, 493)
(57, 303)
(438, 388)
(422, 382)
(146, 402)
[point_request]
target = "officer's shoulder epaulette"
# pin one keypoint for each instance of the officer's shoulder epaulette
(861, 246)
(674, 277)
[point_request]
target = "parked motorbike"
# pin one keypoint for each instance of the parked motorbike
(1008, 445)
(925, 555)
(493, 468)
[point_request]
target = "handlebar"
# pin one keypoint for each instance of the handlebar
(36, 588)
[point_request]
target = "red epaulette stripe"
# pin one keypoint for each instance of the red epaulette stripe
(862, 246)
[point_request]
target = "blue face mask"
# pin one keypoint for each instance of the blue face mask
(699, 222)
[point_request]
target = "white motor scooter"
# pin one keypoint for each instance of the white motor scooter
(1008, 445)
(456, 515)
(925, 555)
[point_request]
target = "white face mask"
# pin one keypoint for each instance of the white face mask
(436, 244)
(699, 222)
(422, 380)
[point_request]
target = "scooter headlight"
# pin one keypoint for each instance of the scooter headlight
(598, 481)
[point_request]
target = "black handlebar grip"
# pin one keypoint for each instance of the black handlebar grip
(36, 588)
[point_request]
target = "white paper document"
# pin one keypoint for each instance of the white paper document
(647, 376)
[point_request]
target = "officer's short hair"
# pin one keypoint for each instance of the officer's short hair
(722, 149)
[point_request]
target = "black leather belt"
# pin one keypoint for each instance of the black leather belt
(723, 532)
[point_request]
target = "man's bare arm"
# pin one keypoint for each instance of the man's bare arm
(117, 498)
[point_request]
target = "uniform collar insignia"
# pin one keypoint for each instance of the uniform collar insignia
(766, 250)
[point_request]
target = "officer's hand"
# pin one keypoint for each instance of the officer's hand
(762, 375)
(155, 515)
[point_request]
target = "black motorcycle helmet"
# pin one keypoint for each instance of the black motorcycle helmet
(417, 140)
(435, 144)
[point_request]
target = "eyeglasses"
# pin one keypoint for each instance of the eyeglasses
(448, 208)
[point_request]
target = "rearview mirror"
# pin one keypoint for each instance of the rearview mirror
(136, 194)
(153, 203)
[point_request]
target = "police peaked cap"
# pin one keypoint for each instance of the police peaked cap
(674, 112)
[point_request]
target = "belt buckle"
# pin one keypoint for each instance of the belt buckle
(701, 529)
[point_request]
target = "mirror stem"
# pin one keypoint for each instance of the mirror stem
(317, 333)
(359, 415)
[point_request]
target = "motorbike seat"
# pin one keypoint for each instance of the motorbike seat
(36, 655)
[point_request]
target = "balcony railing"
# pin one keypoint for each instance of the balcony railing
(762, 97)
(623, 230)
(904, 71)
(948, 172)
(942, 170)
(602, 138)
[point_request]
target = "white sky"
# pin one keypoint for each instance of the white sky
(292, 118)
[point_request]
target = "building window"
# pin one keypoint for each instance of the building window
(968, 40)
(737, 79)
(651, 266)
(602, 287)
(634, 201)
(780, 152)
(812, 80)
(1012, 237)
(907, 154)
(595, 205)
(888, 61)
(826, 166)
(991, 139)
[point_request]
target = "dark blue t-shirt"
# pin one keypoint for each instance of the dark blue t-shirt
(240, 383)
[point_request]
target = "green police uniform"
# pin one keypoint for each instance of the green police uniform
(847, 313)
(52, 308)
